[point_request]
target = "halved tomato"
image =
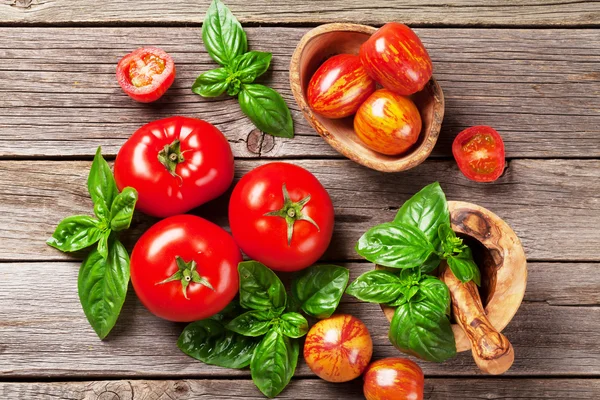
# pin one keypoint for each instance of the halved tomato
(146, 74)
(479, 153)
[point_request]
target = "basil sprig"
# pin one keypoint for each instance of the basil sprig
(226, 43)
(260, 329)
(104, 275)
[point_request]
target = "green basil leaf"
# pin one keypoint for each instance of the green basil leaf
(426, 210)
(231, 310)
(102, 186)
(212, 83)
(75, 233)
(411, 292)
(222, 34)
(274, 362)
(121, 210)
(251, 65)
(102, 286)
(436, 292)
(431, 263)
(395, 245)
(293, 325)
(319, 289)
(251, 323)
(209, 342)
(260, 288)
(376, 287)
(103, 244)
(421, 329)
(464, 268)
(267, 110)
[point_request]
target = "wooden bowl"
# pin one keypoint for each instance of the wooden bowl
(327, 40)
(501, 259)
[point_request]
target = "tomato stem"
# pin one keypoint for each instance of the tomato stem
(292, 212)
(170, 156)
(185, 274)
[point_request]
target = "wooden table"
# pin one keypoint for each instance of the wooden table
(529, 68)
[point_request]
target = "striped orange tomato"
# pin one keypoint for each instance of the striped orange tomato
(339, 348)
(388, 123)
(339, 87)
(395, 57)
(393, 379)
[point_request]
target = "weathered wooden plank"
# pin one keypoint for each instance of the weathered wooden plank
(44, 333)
(59, 96)
(415, 12)
(551, 204)
(435, 389)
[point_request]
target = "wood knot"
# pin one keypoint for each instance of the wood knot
(473, 223)
(22, 4)
(260, 143)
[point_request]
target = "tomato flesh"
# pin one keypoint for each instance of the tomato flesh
(479, 153)
(146, 74)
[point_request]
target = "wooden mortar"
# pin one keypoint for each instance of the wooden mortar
(330, 39)
(501, 259)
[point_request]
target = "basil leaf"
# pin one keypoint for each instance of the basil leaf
(102, 286)
(464, 268)
(274, 362)
(421, 329)
(231, 310)
(222, 34)
(75, 233)
(121, 210)
(293, 325)
(267, 110)
(251, 323)
(209, 342)
(319, 289)
(395, 245)
(436, 292)
(102, 186)
(260, 288)
(251, 65)
(103, 244)
(376, 287)
(431, 263)
(212, 83)
(426, 210)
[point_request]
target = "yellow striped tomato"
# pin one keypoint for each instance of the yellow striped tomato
(395, 57)
(339, 348)
(393, 379)
(388, 123)
(339, 87)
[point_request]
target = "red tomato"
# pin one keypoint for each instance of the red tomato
(339, 348)
(393, 379)
(388, 123)
(395, 57)
(175, 164)
(282, 216)
(339, 87)
(146, 74)
(479, 153)
(184, 268)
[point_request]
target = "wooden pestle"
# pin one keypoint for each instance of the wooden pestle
(491, 350)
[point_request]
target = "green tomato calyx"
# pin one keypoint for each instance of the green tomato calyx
(292, 212)
(185, 274)
(170, 156)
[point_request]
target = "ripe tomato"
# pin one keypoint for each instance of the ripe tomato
(395, 57)
(146, 74)
(339, 87)
(175, 164)
(282, 216)
(339, 348)
(184, 268)
(479, 153)
(388, 123)
(393, 379)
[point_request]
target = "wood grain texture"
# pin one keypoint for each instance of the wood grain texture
(47, 335)
(540, 88)
(535, 197)
(413, 12)
(435, 389)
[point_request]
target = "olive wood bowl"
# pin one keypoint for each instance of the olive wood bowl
(330, 39)
(499, 254)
